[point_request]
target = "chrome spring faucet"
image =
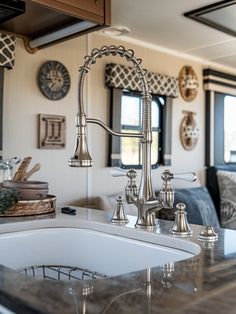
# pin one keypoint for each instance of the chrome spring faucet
(143, 197)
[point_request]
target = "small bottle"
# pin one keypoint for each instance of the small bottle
(6, 168)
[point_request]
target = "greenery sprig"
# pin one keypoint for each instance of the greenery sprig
(8, 197)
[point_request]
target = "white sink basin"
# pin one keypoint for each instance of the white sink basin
(97, 251)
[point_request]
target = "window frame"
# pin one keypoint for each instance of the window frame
(137, 128)
(164, 153)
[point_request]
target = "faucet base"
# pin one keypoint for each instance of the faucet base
(148, 224)
(150, 228)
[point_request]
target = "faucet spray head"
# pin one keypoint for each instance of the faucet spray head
(81, 156)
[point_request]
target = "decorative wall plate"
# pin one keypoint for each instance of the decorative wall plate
(54, 80)
(188, 83)
(189, 131)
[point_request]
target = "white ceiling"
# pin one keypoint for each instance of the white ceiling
(161, 23)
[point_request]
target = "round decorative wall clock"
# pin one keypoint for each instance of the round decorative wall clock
(188, 83)
(54, 80)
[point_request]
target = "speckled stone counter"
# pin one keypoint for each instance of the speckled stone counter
(203, 284)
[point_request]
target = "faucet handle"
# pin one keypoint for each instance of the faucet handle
(118, 172)
(131, 174)
(131, 189)
(181, 226)
(119, 216)
(188, 176)
(167, 193)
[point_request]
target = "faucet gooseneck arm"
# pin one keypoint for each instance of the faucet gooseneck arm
(145, 200)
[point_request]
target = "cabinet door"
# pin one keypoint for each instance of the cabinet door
(93, 10)
(92, 6)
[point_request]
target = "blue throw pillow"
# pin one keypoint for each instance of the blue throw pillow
(199, 207)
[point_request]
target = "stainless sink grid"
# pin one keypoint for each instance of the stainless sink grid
(60, 272)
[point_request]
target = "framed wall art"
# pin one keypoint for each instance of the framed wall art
(51, 131)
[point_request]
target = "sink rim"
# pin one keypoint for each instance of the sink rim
(95, 220)
(156, 254)
(128, 232)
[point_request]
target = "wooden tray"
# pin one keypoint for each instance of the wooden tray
(31, 208)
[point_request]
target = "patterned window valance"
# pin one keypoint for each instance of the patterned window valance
(120, 76)
(7, 50)
(219, 82)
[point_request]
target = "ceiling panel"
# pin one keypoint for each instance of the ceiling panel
(162, 23)
(215, 51)
(229, 61)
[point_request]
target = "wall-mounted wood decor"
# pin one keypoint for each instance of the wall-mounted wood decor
(189, 131)
(188, 83)
(51, 131)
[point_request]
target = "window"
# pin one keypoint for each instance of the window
(131, 121)
(126, 116)
(220, 118)
(229, 129)
(221, 131)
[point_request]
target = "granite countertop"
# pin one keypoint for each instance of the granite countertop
(203, 284)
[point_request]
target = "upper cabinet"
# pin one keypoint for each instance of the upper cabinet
(92, 10)
(49, 21)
